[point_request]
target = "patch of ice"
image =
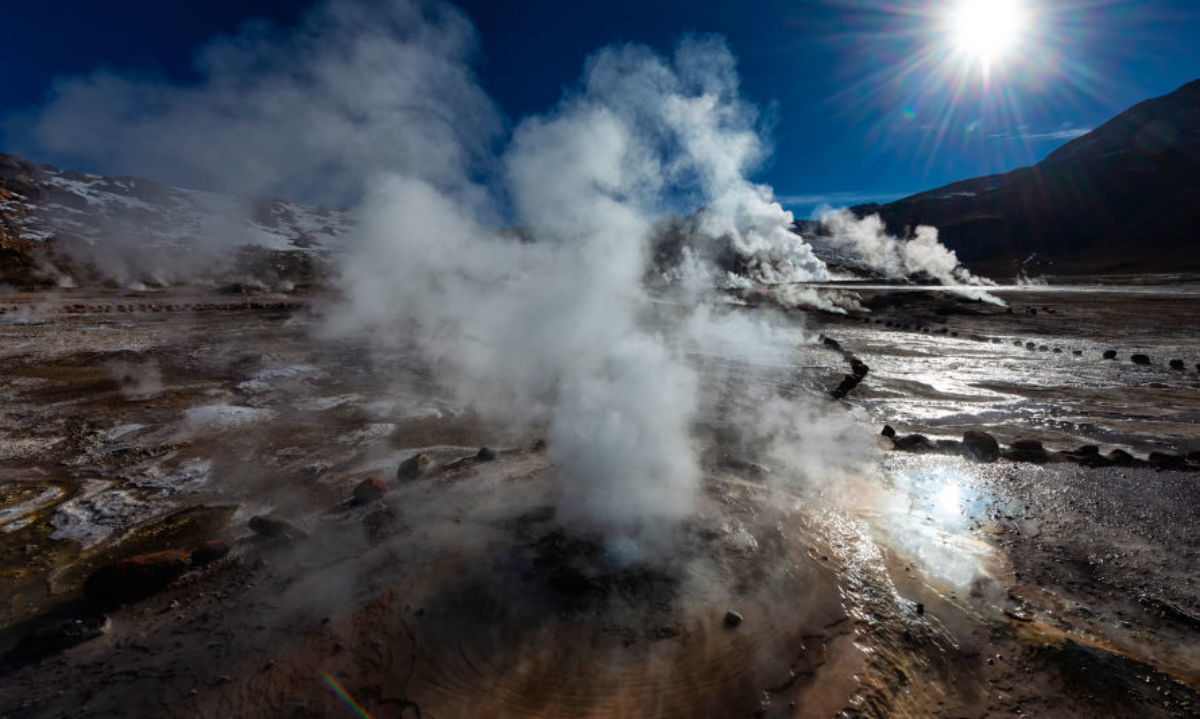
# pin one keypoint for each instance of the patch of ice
(223, 417)
(188, 477)
(121, 430)
(7, 514)
(90, 519)
(320, 404)
(368, 433)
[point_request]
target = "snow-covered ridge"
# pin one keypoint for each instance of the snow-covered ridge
(38, 203)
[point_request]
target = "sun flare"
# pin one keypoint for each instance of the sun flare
(985, 31)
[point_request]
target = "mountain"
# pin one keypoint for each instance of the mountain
(62, 226)
(1122, 198)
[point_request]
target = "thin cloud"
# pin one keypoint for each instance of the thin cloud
(1066, 133)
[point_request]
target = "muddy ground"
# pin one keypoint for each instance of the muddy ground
(922, 585)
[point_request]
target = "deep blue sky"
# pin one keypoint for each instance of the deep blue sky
(855, 117)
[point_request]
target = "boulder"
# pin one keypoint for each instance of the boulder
(888, 431)
(54, 635)
(369, 490)
(135, 578)
(912, 443)
(859, 368)
(1140, 359)
(980, 446)
(273, 528)
(1177, 364)
(1121, 458)
(485, 454)
(1110, 354)
(1027, 450)
(847, 385)
(211, 551)
(1164, 460)
(413, 467)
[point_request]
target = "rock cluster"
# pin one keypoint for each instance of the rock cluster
(980, 446)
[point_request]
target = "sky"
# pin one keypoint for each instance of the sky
(862, 100)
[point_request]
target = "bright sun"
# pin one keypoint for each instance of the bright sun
(985, 31)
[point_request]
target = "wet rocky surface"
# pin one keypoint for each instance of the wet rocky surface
(332, 522)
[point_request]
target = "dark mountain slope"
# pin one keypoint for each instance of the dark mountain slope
(1124, 197)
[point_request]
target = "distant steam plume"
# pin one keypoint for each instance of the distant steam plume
(922, 254)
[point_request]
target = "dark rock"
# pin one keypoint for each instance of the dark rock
(830, 342)
(847, 385)
(1058, 350)
(859, 368)
(1163, 460)
(1087, 450)
(1027, 450)
(1140, 359)
(913, 443)
(369, 490)
(485, 454)
(732, 619)
(1043, 348)
(1121, 458)
(1030, 346)
(211, 551)
(272, 528)
(1077, 353)
(413, 467)
(980, 446)
(888, 431)
(55, 635)
(135, 578)
(1110, 354)
(920, 606)
(1177, 364)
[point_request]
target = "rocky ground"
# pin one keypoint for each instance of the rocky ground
(937, 581)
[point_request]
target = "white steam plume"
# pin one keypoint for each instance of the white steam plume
(553, 329)
(868, 239)
(310, 112)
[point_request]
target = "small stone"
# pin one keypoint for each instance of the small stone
(135, 578)
(1177, 364)
(1140, 359)
(1110, 354)
(369, 490)
(888, 431)
(920, 608)
(732, 618)
(271, 528)
(413, 467)
(211, 551)
(980, 446)
(485, 454)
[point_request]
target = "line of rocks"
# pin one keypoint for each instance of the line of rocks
(982, 447)
(858, 369)
(1111, 354)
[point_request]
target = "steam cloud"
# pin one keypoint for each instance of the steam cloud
(868, 239)
(551, 328)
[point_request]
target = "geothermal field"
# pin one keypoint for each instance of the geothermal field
(794, 562)
(371, 367)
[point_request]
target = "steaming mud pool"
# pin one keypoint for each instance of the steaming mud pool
(875, 583)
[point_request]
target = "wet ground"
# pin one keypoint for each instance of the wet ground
(870, 583)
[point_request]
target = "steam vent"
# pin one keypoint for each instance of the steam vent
(417, 358)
